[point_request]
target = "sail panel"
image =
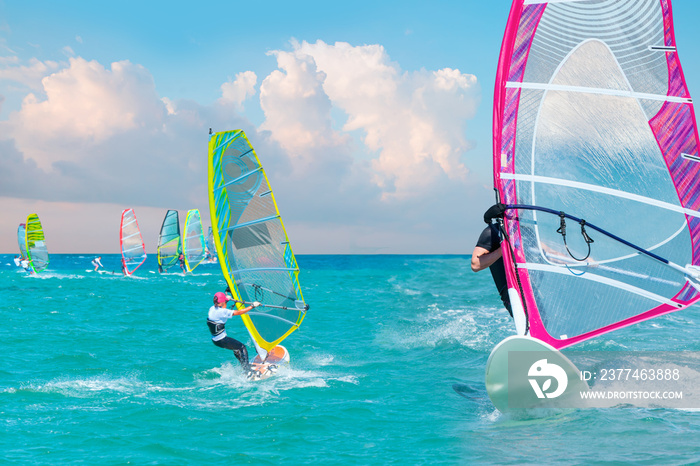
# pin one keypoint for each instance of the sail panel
(22, 240)
(169, 247)
(131, 243)
(252, 244)
(194, 240)
(37, 253)
(211, 248)
(592, 117)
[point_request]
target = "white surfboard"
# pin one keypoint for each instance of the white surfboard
(525, 373)
(276, 357)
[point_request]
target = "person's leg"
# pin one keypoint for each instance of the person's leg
(239, 350)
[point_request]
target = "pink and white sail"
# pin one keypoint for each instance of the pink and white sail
(592, 117)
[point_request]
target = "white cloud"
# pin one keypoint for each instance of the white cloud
(29, 75)
(92, 133)
(297, 110)
(105, 135)
(85, 104)
(414, 121)
(237, 91)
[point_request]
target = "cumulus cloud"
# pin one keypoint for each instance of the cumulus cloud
(87, 101)
(103, 134)
(356, 148)
(30, 74)
(297, 109)
(243, 87)
(414, 121)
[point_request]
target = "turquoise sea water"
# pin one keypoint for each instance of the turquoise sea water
(387, 368)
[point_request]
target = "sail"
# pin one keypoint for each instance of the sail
(22, 240)
(251, 242)
(169, 248)
(594, 129)
(211, 249)
(35, 241)
(194, 240)
(131, 243)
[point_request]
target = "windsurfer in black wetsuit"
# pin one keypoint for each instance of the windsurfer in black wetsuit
(487, 253)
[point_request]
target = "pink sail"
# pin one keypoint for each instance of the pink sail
(592, 118)
(131, 243)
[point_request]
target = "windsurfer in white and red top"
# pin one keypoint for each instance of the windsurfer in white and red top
(216, 320)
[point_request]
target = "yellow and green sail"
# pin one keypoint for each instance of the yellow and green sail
(36, 244)
(194, 249)
(251, 242)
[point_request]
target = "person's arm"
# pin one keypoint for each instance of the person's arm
(238, 312)
(483, 259)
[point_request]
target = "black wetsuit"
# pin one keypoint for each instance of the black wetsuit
(490, 240)
(239, 349)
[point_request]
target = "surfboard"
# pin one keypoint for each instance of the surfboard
(525, 373)
(276, 357)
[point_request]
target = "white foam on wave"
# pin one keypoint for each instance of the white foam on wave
(321, 359)
(261, 391)
(49, 275)
(87, 387)
(401, 288)
(436, 327)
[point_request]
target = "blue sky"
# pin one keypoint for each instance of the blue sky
(93, 138)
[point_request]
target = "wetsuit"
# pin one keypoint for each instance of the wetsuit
(216, 321)
(490, 240)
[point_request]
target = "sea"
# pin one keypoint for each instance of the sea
(387, 368)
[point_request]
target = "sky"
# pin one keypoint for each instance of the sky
(372, 119)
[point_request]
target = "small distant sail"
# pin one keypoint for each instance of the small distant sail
(251, 242)
(211, 249)
(22, 240)
(132, 246)
(594, 129)
(194, 240)
(169, 247)
(36, 244)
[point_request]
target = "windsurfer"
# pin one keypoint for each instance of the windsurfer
(488, 253)
(181, 259)
(216, 320)
(96, 262)
(18, 260)
(25, 265)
